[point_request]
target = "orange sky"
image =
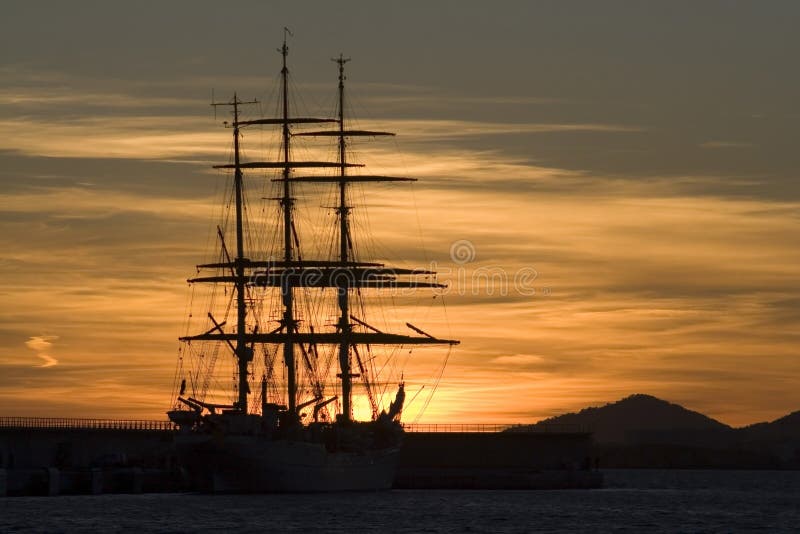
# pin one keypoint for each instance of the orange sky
(661, 227)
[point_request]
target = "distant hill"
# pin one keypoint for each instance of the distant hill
(787, 427)
(644, 431)
(779, 438)
(639, 418)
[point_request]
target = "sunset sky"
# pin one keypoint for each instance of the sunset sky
(640, 158)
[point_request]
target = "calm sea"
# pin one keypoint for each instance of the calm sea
(633, 501)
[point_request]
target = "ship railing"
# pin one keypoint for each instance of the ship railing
(67, 423)
(490, 427)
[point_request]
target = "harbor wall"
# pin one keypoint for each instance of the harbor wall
(48, 461)
(545, 450)
(498, 460)
(85, 448)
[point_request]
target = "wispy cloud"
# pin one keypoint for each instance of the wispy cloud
(652, 285)
(43, 345)
(518, 359)
(154, 137)
(454, 129)
(726, 144)
(112, 137)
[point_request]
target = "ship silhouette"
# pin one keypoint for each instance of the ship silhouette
(298, 431)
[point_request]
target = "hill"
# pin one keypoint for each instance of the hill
(785, 428)
(644, 431)
(640, 418)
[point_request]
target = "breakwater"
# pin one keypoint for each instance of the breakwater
(45, 456)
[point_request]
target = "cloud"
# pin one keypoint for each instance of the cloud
(182, 137)
(448, 129)
(42, 346)
(725, 144)
(518, 360)
(660, 281)
(651, 290)
(113, 137)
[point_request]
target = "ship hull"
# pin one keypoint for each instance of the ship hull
(258, 464)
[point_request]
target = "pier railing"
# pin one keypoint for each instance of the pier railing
(454, 427)
(83, 424)
(145, 424)
(482, 427)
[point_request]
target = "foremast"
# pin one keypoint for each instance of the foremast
(244, 354)
(242, 351)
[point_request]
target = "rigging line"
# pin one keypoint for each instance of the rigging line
(194, 370)
(269, 367)
(409, 403)
(179, 367)
(362, 224)
(446, 318)
(220, 189)
(420, 234)
(199, 361)
(177, 372)
(435, 385)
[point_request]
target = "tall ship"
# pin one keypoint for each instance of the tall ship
(306, 402)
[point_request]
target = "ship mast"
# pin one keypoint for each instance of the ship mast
(244, 354)
(286, 203)
(343, 274)
(344, 232)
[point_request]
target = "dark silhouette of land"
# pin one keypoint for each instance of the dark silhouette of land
(643, 431)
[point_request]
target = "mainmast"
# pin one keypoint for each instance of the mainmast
(344, 232)
(286, 202)
(243, 354)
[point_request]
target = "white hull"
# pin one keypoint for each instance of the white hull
(255, 464)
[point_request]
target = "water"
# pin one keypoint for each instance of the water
(633, 501)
